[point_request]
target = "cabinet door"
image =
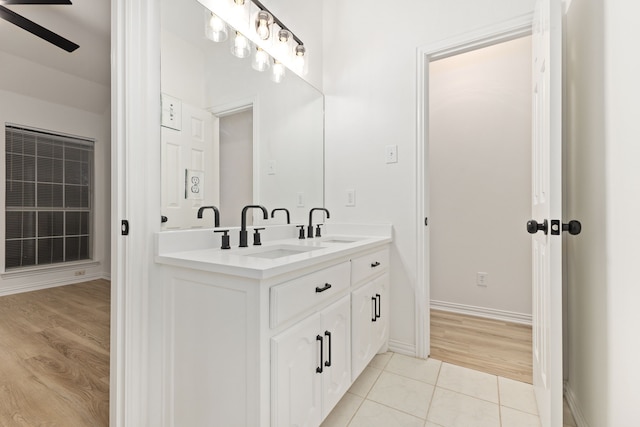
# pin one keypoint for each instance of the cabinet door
(296, 386)
(336, 327)
(380, 332)
(362, 316)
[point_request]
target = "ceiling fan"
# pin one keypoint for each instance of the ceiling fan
(34, 28)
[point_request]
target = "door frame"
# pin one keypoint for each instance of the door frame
(501, 32)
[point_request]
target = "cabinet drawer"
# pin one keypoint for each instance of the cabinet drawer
(298, 295)
(369, 265)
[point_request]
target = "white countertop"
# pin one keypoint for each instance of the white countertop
(253, 262)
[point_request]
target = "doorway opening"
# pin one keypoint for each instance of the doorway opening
(236, 165)
(480, 195)
(471, 42)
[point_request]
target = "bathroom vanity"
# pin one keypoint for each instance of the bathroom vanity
(269, 335)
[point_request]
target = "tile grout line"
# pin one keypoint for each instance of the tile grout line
(435, 386)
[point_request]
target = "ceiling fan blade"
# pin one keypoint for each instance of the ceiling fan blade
(36, 2)
(37, 30)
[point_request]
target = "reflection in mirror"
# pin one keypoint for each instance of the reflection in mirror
(230, 135)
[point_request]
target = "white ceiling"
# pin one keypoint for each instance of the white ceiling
(85, 22)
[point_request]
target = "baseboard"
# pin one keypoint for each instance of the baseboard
(106, 276)
(488, 313)
(402, 348)
(578, 417)
(28, 287)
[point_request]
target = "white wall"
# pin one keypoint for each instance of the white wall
(622, 101)
(585, 200)
(480, 178)
(23, 110)
(602, 175)
(370, 89)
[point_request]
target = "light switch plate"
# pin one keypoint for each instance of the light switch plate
(300, 202)
(351, 198)
(171, 112)
(391, 153)
(271, 167)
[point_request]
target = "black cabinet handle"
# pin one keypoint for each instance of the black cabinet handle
(324, 288)
(375, 264)
(319, 368)
(378, 304)
(375, 309)
(328, 335)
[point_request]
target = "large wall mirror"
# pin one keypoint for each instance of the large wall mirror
(230, 135)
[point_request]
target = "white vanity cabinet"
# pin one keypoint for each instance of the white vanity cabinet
(269, 346)
(311, 367)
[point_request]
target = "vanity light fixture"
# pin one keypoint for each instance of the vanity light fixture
(240, 46)
(278, 71)
(272, 43)
(216, 29)
(261, 60)
(264, 21)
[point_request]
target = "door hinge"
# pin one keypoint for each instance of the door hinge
(124, 227)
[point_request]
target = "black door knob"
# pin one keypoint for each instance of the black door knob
(573, 227)
(533, 226)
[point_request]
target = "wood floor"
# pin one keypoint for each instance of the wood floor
(492, 346)
(54, 356)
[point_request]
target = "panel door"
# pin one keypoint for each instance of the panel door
(192, 147)
(296, 386)
(380, 332)
(547, 205)
(336, 378)
(362, 317)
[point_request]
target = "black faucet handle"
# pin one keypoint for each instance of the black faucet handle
(256, 236)
(225, 239)
(318, 233)
(301, 233)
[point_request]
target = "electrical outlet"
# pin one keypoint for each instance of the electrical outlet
(300, 203)
(351, 198)
(80, 273)
(481, 278)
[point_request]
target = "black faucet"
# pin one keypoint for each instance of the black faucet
(310, 227)
(282, 209)
(243, 224)
(216, 214)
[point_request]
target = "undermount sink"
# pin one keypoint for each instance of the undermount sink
(273, 252)
(340, 239)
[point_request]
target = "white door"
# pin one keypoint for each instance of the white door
(336, 327)
(296, 374)
(194, 146)
(547, 206)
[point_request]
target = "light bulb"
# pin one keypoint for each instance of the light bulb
(263, 21)
(278, 71)
(261, 60)
(240, 46)
(217, 29)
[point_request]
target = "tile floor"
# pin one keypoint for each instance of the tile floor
(401, 391)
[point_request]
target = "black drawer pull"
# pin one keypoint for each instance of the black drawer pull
(319, 368)
(328, 335)
(324, 288)
(375, 264)
(378, 304)
(375, 309)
